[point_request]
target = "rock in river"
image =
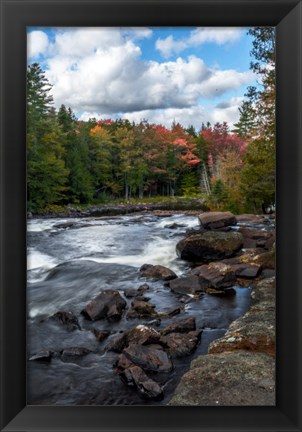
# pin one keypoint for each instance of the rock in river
(180, 326)
(148, 388)
(108, 304)
(150, 358)
(217, 220)
(157, 272)
(209, 246)
(181, 344)
(67, 319)
(187, 285)
(216, 275)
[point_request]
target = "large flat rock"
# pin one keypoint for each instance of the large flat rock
(209, 246)
(239, 378)
(216, 220)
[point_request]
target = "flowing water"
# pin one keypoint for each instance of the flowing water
(68, 265)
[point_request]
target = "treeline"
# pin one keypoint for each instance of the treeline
(77, 162)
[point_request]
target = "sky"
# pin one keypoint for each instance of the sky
(159, 74)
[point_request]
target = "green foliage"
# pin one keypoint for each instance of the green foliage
(189, 185)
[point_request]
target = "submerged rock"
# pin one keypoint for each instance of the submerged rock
(73, 352)
(67, 319)
(216, 220)
(100, 334)
(157, 272)
(237, 378)
(209, 246)
(108, 304)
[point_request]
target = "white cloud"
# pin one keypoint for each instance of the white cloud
(227, 111)
(199, 36)
(37, 43)
(99, 72)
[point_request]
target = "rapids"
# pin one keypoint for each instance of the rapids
(69, 262)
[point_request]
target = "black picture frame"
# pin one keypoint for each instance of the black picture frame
(16, 15)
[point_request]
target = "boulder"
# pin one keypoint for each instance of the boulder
(150, 358)
(216, 275)
(180, 326)
(157, 272)
(209, 246)
(67, 319)
(187, 285)
(141, 309)
(108, 304)
(143, 288)
(181, 344)
(266, 260)
(147, 388)
(130, 292)
(239, 378)
(216, 220)
(142, 335)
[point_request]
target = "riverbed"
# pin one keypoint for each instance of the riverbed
(69, 262)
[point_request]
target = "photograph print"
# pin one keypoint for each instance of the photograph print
(151, 216)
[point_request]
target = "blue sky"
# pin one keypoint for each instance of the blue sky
(162, 74)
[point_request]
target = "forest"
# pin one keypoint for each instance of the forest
(99, 161)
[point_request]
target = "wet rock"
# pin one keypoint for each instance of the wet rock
(236, 378)
(143, 288)
(43, 356)
(180, 326)
(130, 293)
(117, 343)
(141, 309)
(218, 292)
(247, 271)
(70, 353)
(155, 322)
(67, 319)
(170, 312)
(256, 238)
(216, 220)
(64, 225)
(108, 304)
(209, 246)
(148, 388)
(253, 332)
(100, 334)
(181, 344)
(216, 275)
(157, 272)
(187, 285)
(142, 298)
(142, 335)
(266, 260)
(268, 273)
(150, 358)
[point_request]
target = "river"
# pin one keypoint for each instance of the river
(69, 262)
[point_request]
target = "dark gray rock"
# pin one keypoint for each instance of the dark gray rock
(157, 272)
(180, 326)
(150, 358)
(108, 304)
(181, 344)
(215, 275)
(67, 319)
(147, 388)
(187, 285)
